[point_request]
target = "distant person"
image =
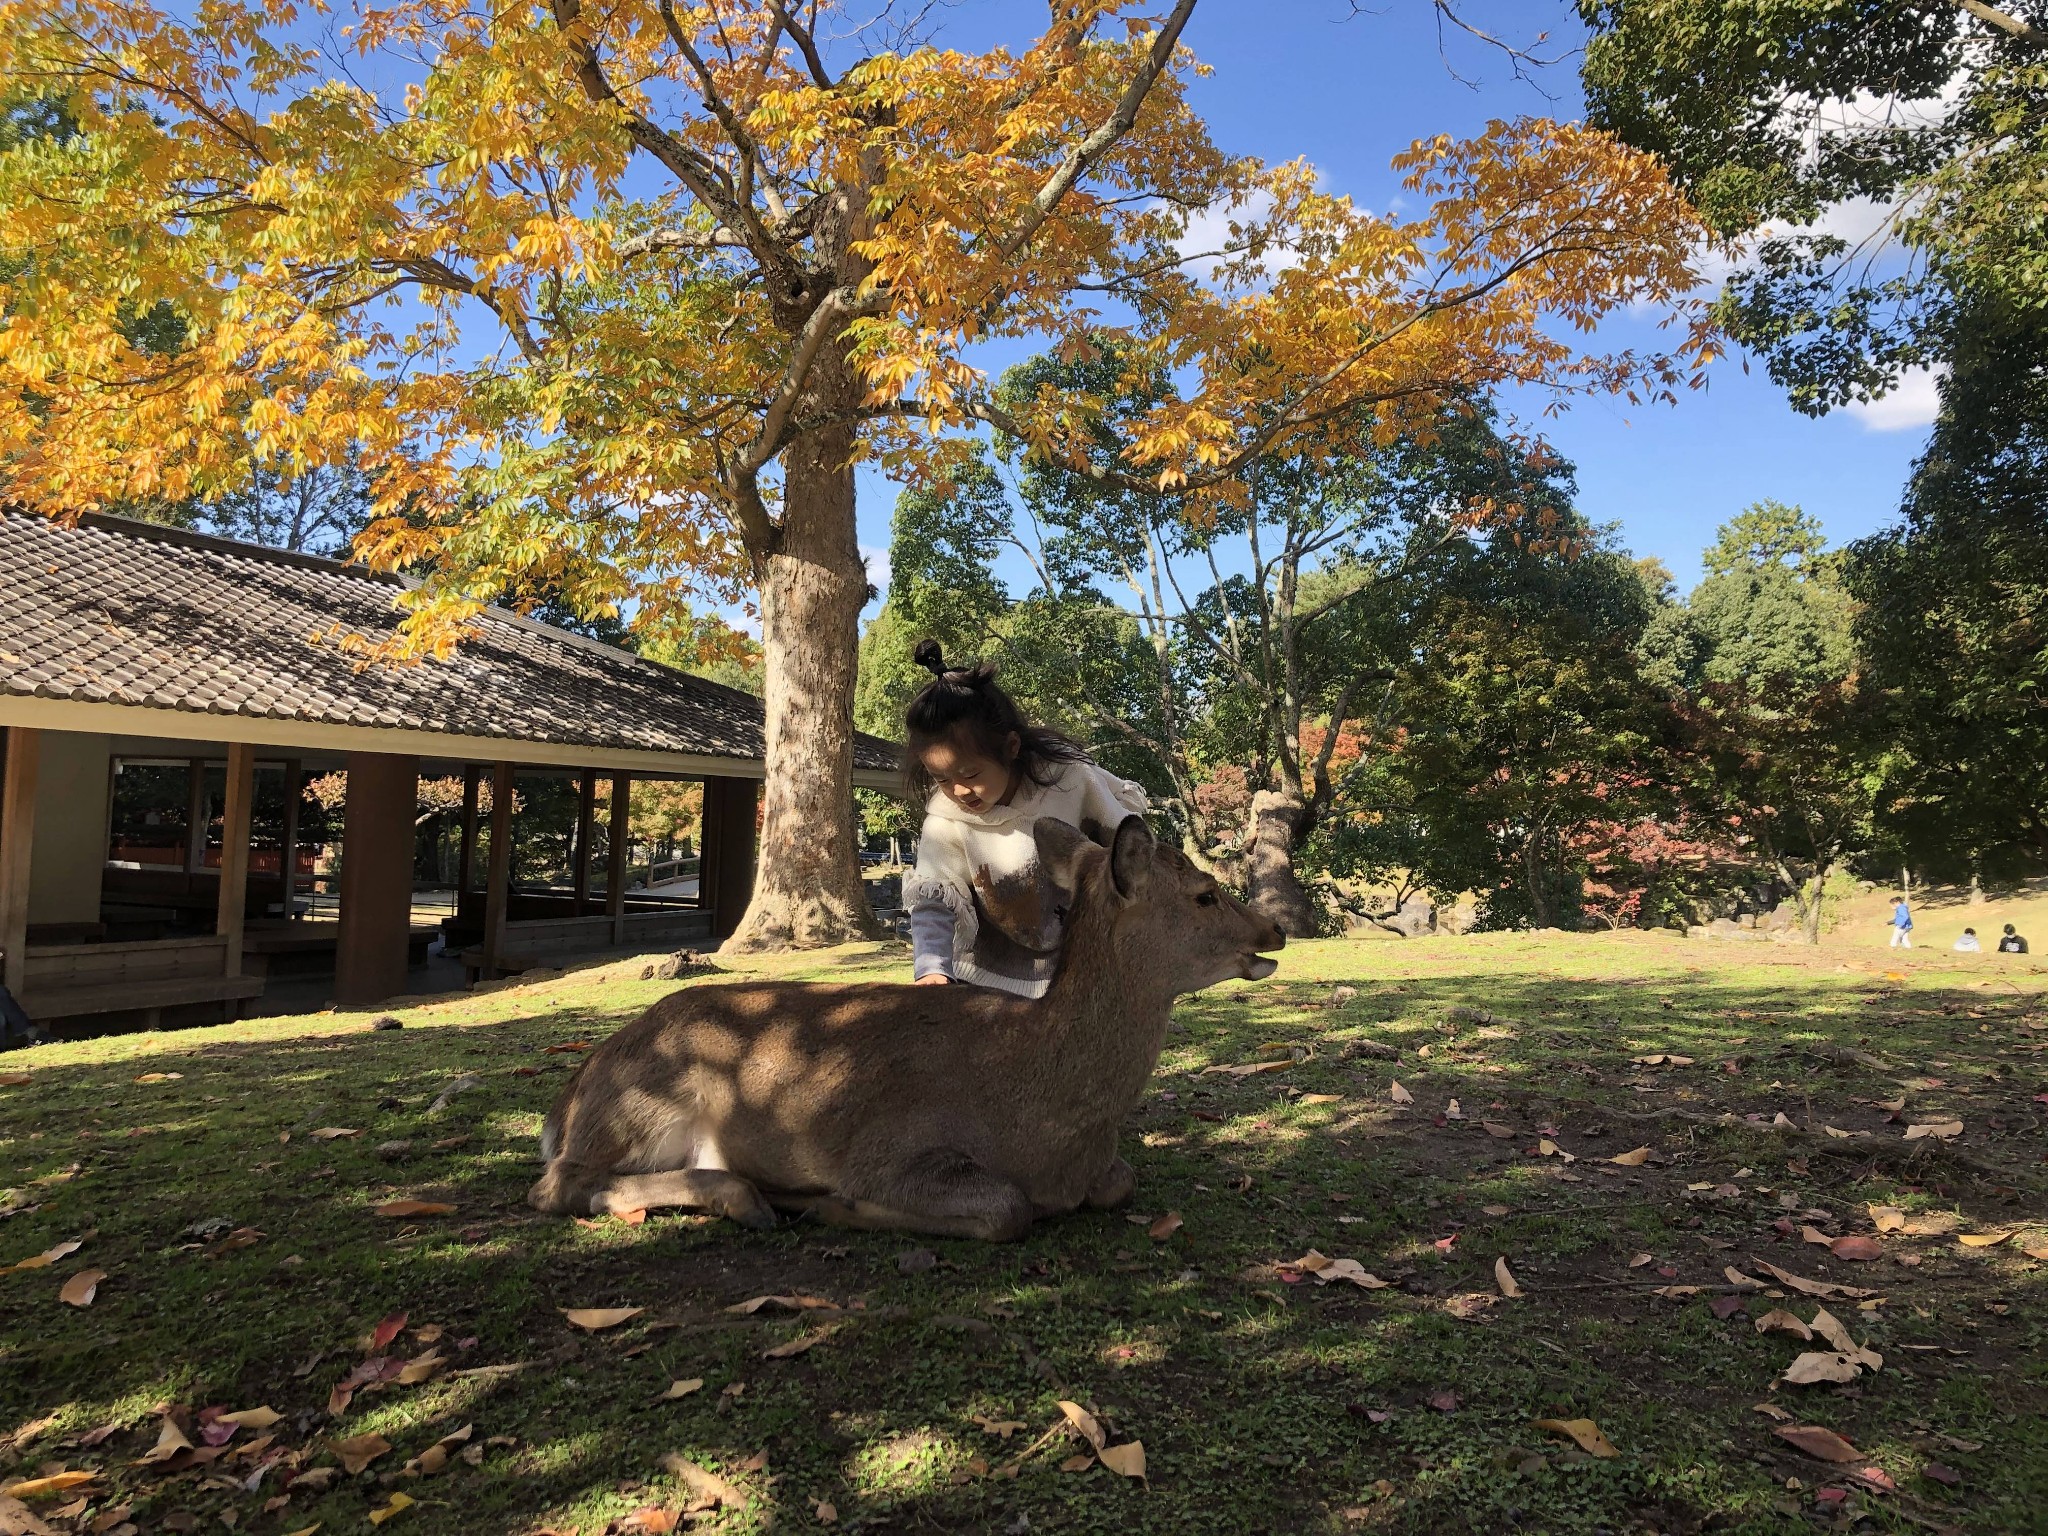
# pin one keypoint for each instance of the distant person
(2012, 943)
(1968, 944)
(1902, 924)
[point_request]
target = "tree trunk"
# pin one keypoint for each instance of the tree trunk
(1272, 889)
(807, 885)
(1532, 874)
(1812, 913)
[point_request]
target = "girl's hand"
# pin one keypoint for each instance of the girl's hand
(935, 979)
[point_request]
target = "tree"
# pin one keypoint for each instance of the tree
(1772, 606)
(663, 273)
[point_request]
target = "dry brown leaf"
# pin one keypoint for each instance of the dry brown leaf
(797, 1346)
(702, 1482)
(1327, 1270)
(1399, 1094)
(1582, 1432)
(1815, 1367)
(1002, 1429)
(400, 1502)
(1772, 1411)
(1940, 1129)
(358, 1451)
(1470, 1306)
(48, 1256)
(159, 1077)
(414, 1208)
(169, 1441)
(1825, 1289)
(826, 1513)
(1084, 1424)
(80, 1289)
(1634, 1158)
(595, 1318)
(1545, 1147)
(1821, 1444)
(1856, 1246)
(1127, 1460)
(1495, 1129)
(1840, 1134)
(1505, 1280)
(1983, 1239)
(47, 1486)
(1740, 1281)
(1778, 1320)
(2035, 1250)
(678, 1389)
(1077, 1463)
(648, 1520)
(1320, 1098)
(253, 1418)
(437, 1455)
(1641, 1259)
(1887, 1218)
(1164, 1227)
(797, 1303)
(419, 1368)
(332, 1133)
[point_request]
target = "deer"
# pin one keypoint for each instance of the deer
(950, 1111)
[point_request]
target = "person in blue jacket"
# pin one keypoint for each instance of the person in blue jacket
(1902, 924)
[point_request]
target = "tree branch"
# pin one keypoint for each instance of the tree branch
(2005, 22)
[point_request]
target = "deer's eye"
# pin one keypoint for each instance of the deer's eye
(1206, 899)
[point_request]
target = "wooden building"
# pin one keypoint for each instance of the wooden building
(127, 648)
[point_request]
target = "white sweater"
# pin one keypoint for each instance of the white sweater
(981, 910)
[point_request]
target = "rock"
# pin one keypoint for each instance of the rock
(670, 967)
(393, 1151)
(915, 1261)
(462, 1084)
(387, 1022)
(1372, 1048)
(1780, 918)
(210, 1230)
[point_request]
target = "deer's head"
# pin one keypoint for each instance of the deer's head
(1167, 918)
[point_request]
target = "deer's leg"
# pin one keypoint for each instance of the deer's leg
(1112, 1187)
(944, 1194)
(571, 1189)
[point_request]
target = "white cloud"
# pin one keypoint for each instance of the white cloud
(1208, 233)
(1914, 403)
(877, 560)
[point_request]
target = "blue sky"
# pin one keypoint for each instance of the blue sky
(1349, 91)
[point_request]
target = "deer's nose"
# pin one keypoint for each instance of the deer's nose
(1274, 939)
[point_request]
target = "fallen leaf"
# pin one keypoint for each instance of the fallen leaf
(1545, 1147)
(2035, 1251)
(1631, 1159)
(1821, 1444)
(1725, 1307)
(1494, 1210)
(1887, 1218)
(826, 1513)
(419, 1368)
(702, 1482)
(48, 1256)
(1445, 1401)
(1740, 1281)
(1077, 1463)
(1496, 1129)
(1505, 1280)
(414, 1208)
(1856, 1246)
(1825, 1289)
(80, 1289)
(1942, 1129)
(1002, 1429)
(1983, 1239)
(1641, 1259)
(45, 1487)
(358, 1451)
(1471, 1305)
(1582, 1432)
(385, 1331)
(678, 1389)
(1778, 1320)
(797, 1346)
(1948, 1477)
(1821, 1366)
(787, 1303)
(1399, 1094)
(436, 1456)
(1815, 1236)
(648, 1520)
(1326, 1270)
(1127, 1460)
(400, 1502)
(1084, 1424)
(252, 1418)
(1320, 1098)
(159, 1077)
(1164, 1227)
(1772, 1411)
(332, 1133)
(596, 1318)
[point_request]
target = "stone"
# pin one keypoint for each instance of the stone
(393, 1151)
(387, 1022)
(462, 1084)
(670, 967)
(1415, 917)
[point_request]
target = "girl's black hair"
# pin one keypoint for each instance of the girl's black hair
(964, 704)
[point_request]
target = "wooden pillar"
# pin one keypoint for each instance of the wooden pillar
(377, 838)
(465, 865)
(288, 851)
(498, 877)
(232, 905)
(17, 840)
(196, 817)
(725, 870)
(619, 850)
(586, 823)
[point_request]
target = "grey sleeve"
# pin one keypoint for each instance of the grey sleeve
(931, 939)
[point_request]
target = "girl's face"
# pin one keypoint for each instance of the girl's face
(972, 779)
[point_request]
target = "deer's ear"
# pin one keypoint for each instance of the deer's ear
(1130, 856)
(1062, 850)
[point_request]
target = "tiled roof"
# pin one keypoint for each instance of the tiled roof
(121, 612)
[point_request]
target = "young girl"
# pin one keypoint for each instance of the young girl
(979, 911)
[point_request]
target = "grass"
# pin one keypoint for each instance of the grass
(1264, 1403)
